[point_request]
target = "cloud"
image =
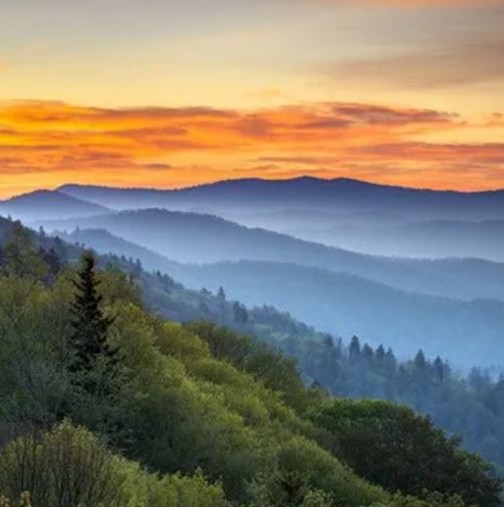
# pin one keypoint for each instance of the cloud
(471, 57)
(310, 161)
(490, 154)
(450, 67)
(180, 146)
(158, 167)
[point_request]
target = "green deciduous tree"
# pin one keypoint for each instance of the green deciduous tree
(21, 256)
(392, 446)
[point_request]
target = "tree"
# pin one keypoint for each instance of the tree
(368, 354)
(137, 270)
(90, 325)
(21, 257)
(53, 262)
(380, 354)
(419, 458)
(240, 314)
(354, 350)
(439, 369)
(420, 361)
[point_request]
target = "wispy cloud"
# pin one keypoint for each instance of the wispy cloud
(451, 65)
(176, 146)
(464, 51)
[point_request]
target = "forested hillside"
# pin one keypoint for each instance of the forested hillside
(470, 406)
(104, 403)
(340, 303)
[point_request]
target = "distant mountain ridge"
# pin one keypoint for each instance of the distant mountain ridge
(335, 289)
(195, 238)
(315, 193)
(48, 204)
(437, 239)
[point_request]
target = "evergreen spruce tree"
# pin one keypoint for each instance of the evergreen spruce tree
(354, 350)
(368, 354)
(420, 360)
(439, 369)
(90, 325)
(380, 354)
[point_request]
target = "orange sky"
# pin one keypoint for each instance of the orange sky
(164, 94)
(50, 143)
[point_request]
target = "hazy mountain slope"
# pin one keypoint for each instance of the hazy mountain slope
(434, 239)
(467, 332)
(193, 238)
(103, 242)
(171, 299)
(339, 303)
(350, 214)
(308, 193)
(47, 205)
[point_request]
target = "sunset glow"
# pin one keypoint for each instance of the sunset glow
(161, 94)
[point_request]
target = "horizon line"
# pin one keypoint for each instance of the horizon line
(254, 179)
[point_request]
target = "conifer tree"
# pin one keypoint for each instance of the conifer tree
(420, 360)
(90, 325)
(439, 369)
(380, 353)
(354, 349)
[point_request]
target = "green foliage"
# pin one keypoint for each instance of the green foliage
(470, 407)
(24, 500)
(263, 362)
(21, 256)
(69, 467)
(431, 500)
(385, 443)
(190, 403)
(198, 412)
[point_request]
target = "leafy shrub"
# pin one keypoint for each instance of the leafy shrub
(69, 467)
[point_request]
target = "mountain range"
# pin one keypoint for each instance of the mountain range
(431, 239)
(204, 239)
(229, 234)
(350, 214)
(305, 193)
(335, 302)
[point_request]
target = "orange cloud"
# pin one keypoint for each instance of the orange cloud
(50, 143)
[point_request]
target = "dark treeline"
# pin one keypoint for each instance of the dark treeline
(469, 406)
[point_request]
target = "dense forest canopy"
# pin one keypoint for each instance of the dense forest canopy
(103, 402)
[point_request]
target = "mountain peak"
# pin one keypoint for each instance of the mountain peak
(47, 204)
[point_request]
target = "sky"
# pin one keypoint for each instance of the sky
(165, 93)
